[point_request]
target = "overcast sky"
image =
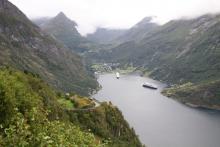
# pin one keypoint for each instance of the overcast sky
(90, 14)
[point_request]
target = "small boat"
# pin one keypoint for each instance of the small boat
(117, 75)
(149, 85)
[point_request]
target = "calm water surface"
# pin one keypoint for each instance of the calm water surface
(158, 120)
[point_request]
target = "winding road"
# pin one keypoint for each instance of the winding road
(97, 104)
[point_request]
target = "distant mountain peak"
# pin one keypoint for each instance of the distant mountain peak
(62, 18)
(65, 31)
(148, 18)
(139, 31)
(144, 21)
(61, 14)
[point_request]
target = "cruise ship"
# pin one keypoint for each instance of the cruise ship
(117, 75)
(149, 85)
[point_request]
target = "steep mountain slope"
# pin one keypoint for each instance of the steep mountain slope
(184, 50)
(40, 21)
(64, 30)
(105, 36)
(24, 46)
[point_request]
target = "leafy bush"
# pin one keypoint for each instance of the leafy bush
(30, 114)
(108, 123)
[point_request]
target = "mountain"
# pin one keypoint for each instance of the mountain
(115, 49)
(138, 31)
(40, 21)
(24, 46)
(64, 30)
(181, 45)
(178, 52)
(105, 36)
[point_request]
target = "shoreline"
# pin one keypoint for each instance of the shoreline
(191, 105)
(185, 103)
(202, 106)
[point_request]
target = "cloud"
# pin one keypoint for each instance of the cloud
(90, 14)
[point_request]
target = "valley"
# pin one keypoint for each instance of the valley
(177, 53)
(58, 87)
(44, 86)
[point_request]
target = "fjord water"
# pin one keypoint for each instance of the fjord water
(158, 120)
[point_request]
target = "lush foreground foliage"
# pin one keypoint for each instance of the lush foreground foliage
(107, 122)
(32, 114)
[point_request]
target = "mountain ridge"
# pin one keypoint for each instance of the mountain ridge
(25, 46)
(138, 31)
(64, 30)
(105, 35)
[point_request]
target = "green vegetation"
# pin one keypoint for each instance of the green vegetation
(100, 67)
(30, 114)
(105, 68)
(82, 102)
(33, 114)
(205, 94)
(126, 69)
(107, 122)
(65, 103)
